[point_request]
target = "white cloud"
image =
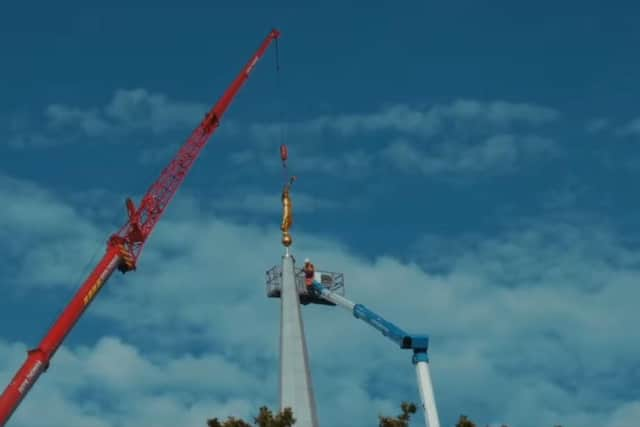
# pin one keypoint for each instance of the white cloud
(408, 120)
(356, 163)
(631, 128)
(597, 125)
(498, 153)
(129, 110)
(138, 108)
(158, 155)
(32, 139)
(529, 327)
(132, 389)
(502, 112)
(464, 136)
(626, 415)
(31, 213)
(89, 121)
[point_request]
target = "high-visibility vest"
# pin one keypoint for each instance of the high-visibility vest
(309, 271)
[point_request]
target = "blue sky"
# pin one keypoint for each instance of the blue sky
(469, 167)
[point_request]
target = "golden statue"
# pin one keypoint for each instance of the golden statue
(287, 214)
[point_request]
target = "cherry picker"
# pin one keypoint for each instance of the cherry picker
(418, 343)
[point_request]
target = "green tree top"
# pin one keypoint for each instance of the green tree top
(465, 422)
(401, 420)
(264, 419)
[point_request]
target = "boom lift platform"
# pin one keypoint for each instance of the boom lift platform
(333, 281)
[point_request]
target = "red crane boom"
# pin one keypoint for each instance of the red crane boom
(125, 246)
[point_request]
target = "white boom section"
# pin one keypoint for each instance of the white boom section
(425, 386)
(426, 394)
(296, 390)
(337, 299)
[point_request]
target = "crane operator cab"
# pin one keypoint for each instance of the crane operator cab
(305, 277)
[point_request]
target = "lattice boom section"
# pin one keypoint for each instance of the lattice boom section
(333, 281)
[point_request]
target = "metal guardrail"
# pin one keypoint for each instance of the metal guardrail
(332, 280)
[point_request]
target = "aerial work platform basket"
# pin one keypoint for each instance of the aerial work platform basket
(333, 281)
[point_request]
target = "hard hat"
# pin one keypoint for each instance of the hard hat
(306, 260)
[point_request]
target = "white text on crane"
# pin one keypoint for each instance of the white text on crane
(253, 64)
(27, 381)
(98, 283)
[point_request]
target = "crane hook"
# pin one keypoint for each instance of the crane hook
(284, 154)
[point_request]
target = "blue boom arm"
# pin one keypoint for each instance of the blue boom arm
(418, 343)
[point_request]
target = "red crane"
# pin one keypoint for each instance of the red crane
(125, 246)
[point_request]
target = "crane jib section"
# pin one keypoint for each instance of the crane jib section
(125, 246)
(142, 222)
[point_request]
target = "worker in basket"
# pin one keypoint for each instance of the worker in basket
(309, 272)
